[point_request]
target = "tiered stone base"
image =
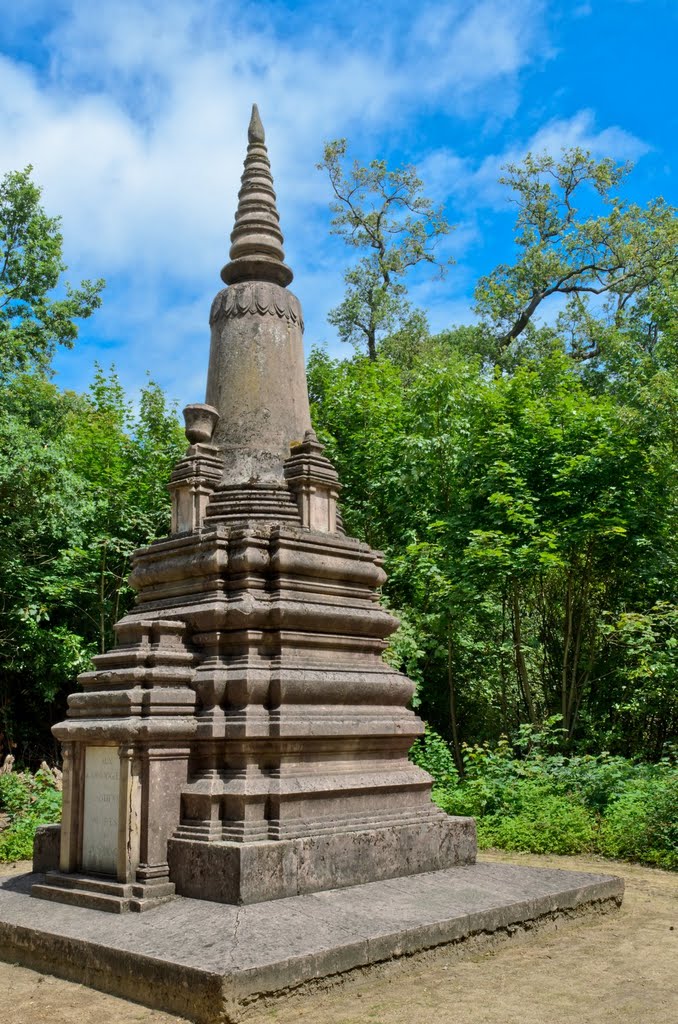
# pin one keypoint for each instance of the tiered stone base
(208, 961)
(101, 893)
(255, 872)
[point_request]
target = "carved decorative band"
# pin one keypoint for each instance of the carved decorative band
(258, 297)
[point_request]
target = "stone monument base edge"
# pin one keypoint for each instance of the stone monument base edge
(212, 962)
(244, 873)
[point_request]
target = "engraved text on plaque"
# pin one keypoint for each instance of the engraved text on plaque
(100, 812)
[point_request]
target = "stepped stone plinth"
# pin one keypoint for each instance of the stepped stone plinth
(244, 740)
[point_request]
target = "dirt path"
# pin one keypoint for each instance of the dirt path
(620, 969)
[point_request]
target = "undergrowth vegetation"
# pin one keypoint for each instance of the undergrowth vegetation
(528, 796)
(26, 801)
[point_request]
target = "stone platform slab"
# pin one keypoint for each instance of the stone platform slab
(209, 961)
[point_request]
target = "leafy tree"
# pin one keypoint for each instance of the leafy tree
(386, 214)
(566, 248)
(82, 484)
(82, 480)
(32, 321)
(521, 513)
(124, 462)
(41, 510)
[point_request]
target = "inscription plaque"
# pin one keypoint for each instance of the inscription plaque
(100, 812)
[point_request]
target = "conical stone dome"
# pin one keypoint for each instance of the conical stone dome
(256, 379)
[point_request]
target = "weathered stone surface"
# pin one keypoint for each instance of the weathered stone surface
(256, 871)
(256, 249)
(244, 743)
(100, 810)
(256, 380)
(97, 893)
(257, 742)
(207, 960)
(46, 847)
(200, 420)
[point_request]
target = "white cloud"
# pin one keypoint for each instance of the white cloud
(136, 128)
(143, 160)
(443, 172)
(470, 54)
(476, 185)
(477, 41)
(580, 130)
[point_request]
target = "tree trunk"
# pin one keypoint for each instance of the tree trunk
(372, 344)
(577, 684)
(502, 669)
(102, 603)
(458, 759)
(521, 666)
(567, 640)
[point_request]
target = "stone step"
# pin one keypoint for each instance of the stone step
(141, 903)
(152, 890)
(81, 898)
(102, 894)
(199, 956)
(86, 883)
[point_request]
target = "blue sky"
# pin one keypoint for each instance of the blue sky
(134, 116)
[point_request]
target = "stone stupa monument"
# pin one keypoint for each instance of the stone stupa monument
(244, 744)
(244, 740)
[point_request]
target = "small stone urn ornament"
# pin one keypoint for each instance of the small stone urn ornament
(200, 420)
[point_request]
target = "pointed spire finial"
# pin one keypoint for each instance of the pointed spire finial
(256, 240)
(255, 132)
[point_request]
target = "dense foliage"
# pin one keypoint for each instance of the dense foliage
(522, 479)
(82, 485)
(535, 799)
(529, 522)
(26, 801)
(33, 320)
(82, 480)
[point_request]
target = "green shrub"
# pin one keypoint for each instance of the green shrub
(597, 780)
(15, 792)
(642, 823)
(432, 753)
(29, 801)
(530, 798)
(16, 842)
(538, 821)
